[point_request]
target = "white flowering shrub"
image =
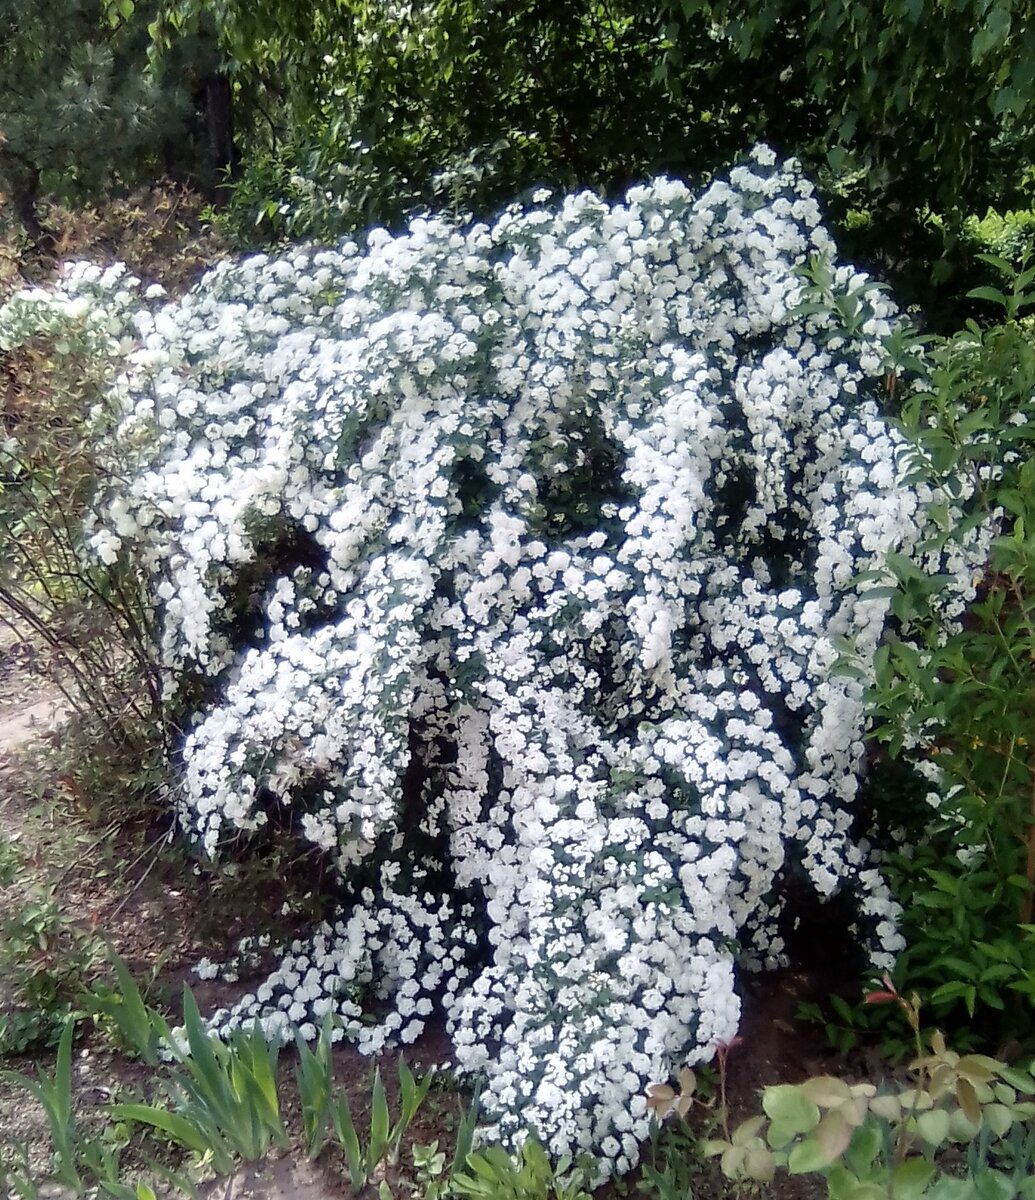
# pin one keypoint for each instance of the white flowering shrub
(505, 566)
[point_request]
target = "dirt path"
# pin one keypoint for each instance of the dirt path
(31, 704)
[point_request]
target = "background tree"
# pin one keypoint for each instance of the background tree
(83, 110)
(73, 111)
(913, 114)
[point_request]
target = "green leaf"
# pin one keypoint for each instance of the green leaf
(993, 1185)
(833, 1135)
(807, 1156)
(787, 1107)
(177, 1127)
(379, 1123)
(61, 1093)
(991, 294)
(866, 1191)
(933, 1126)
(910, 1178)
(260, 1079)
(142, 1027)
(348, 1139)
(998, 1118)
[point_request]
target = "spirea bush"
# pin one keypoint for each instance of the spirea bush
(504, 565)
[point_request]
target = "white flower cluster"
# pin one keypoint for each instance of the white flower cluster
(93, 307)
(508, 562)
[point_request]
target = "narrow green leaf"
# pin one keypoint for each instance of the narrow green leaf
(177, 1127)
(379, 1122)
(345, 1129)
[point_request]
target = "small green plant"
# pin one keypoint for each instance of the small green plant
(429, 1167)
(139, 1028)
(957, 1130)
(16, 1174)
(44, 958)
(674, 1162)
(385, 1138)
(11, 862)
(224, 1095)
(846, 1026)
(953, 701)
(82, 1161)
(54, 1095)
(314, 1075)
(493, 1174)
(434, 1175)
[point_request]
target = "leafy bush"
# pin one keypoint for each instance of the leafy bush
(502, 565)
(959, 701)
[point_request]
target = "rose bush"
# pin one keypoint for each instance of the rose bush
(504, 565)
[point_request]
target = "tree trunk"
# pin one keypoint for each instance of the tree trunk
(24, 182)
(219, 111)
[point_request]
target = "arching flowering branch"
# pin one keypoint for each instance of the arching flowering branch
(508, 563)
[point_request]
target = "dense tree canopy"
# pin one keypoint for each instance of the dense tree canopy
(362, 112)
(329, 116)
(76, 109)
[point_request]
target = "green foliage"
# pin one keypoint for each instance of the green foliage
(140, 1029)
(223, 1105)
(224, 1096)
(869, 1144)
(458, 104)
(848, 1026)
(44, 960)
(956, 698)
(82, 1162)
(674, 1163)
(867, 87)
(54, 1095)
(385, 1137)
(314, 1076)
(16, 1173)
(429, 1166)
(493, 1174)
(361, 114)
(963, 697)
(1009, 235)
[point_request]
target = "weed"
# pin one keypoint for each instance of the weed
(11, 862)
(675, 1160)
(44, 958)
(429, 1166)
